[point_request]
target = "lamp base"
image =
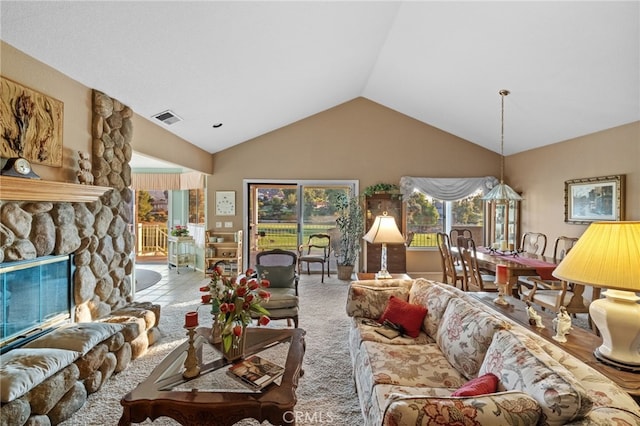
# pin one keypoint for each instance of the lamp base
(383, 275)
(617, 316)
(616, 364)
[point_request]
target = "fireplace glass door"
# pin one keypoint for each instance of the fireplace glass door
(35, 296)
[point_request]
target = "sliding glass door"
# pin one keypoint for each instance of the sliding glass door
(282, 214)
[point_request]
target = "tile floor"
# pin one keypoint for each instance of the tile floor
(171, 284)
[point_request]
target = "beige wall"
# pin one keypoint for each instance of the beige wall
(358, 140)
(148, 138)
(364, 140)
(25, 70)
(540, 175)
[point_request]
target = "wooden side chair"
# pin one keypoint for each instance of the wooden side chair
(533, 242)
(553, 294)
(458, 236)
(474, 278)
(317, 250)
(561, 247)
(451, 273)
(456, 233)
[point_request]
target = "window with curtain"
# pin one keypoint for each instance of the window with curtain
(441, 204)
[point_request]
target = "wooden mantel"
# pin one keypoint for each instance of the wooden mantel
(23, 189)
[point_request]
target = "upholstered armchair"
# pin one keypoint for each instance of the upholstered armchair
(279, 267)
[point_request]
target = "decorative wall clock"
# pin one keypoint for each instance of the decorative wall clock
(225, 203)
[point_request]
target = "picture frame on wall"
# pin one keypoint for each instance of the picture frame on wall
(32, 124)
(594, 199)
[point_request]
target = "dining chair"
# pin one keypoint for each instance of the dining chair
(280, 268)
(554, 295)
(533, 242)
(561, 247)
(317, 250)
(474, 278)
(459, 236)
(455, 233)
(451, 273)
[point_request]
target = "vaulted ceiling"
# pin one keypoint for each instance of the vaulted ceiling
(573, 67)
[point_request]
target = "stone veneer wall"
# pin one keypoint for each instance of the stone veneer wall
(98, 233)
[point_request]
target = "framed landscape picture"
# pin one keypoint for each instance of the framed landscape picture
(31, 124)
(594, 199)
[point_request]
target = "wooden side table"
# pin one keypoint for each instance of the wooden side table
(580, 343)
(361, 276)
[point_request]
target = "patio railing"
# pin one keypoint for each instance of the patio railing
(151, 240)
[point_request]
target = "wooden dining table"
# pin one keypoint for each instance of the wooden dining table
(516, 264)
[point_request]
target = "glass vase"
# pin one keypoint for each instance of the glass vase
(216, 330)
(236, 349)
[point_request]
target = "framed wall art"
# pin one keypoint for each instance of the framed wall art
(594, 199)
(31, 124)
(225, 203)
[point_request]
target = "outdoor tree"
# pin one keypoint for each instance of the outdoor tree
(145, 206)
(421, 211)
(468, 211)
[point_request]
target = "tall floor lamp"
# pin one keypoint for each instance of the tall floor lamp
(384, 231)
(608, 255)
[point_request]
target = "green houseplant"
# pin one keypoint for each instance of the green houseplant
(350, 225)
(381, 188)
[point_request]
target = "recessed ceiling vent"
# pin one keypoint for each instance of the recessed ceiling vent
(168, 117)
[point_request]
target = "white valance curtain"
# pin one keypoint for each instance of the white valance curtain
(167, 181)
(446, 189)
(192, 180)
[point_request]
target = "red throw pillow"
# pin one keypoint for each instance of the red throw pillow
(404, 314)
(481, 385)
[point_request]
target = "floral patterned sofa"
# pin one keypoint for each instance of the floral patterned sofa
(410, 381)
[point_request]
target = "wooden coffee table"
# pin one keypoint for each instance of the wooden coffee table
(214, 397)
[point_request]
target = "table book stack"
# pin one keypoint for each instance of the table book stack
(256, 372)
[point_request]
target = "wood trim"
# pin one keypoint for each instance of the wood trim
(22, 189)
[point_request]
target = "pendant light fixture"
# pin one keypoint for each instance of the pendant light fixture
(502, 192)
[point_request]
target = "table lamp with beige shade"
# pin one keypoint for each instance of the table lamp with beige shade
(384, 231)
(607, 255)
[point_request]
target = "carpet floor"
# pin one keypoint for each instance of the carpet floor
(326, 392)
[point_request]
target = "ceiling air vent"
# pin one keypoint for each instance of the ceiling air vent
(167, 117)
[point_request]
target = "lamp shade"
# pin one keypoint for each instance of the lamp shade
(384, 230)
(606, 255)
(501, 192)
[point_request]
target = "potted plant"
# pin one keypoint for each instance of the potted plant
(381, 188)
(350, 225)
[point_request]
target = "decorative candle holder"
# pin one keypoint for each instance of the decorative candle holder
(216, 330)
(502, 282)
(191, 367)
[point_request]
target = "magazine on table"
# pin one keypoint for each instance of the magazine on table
(256, 371)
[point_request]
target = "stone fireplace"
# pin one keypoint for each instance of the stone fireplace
(93, 223)
(89, 228)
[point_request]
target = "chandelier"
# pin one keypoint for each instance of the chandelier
(502, 191)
